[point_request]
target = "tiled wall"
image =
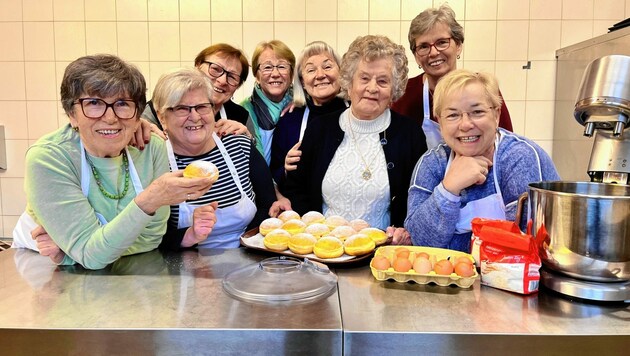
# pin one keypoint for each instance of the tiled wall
(39, 37)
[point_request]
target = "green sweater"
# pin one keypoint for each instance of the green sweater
(55, 200)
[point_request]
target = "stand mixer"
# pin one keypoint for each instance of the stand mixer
(586, 225)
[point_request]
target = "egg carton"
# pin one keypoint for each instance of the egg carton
(431, 277)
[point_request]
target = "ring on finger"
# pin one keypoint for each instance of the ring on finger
(188, 196)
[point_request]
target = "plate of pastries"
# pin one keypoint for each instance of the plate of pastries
(332, 239)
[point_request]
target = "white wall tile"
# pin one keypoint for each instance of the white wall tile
(163, 10)
(68, 10)
(157, 69)
(10, 11)
(512, 39)
(13, 86)
(516, 108)
(348, 32)
(12, 41)
(321, 10)
(382, 10)
(100, 10)
(60, 68)
(609, 9)
(13, 197)
(37, 10)
(69, 40)
(100, 37)
(480, 41)
(458, 6)
(352, 10)
(40, 80)
(479, 66)
(8, 223)
(546, 145)
(391, 29)
(194, 36)
(16, 150)
(627, 8)
(195, 10)
(289, 10)
(255, 32)
(409, 9)
(575, 31)
(577, 9)
(42, 117)
(229, 32)
(513, 10)
(164, 41)
(131, 10)
(39, 41)
(481, 10)
(322, 31)
(293, 34)
(545, 9)
(258, 10)
(544, 39)
(512, 79)
(541, 80)
(133, 41)
(600, 27)
(539, 120)
(226, 10)
(13, 117)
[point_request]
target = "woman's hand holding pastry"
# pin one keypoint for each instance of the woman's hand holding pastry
(465, 171)
(204, 218)
(170, 189)
(293, 157)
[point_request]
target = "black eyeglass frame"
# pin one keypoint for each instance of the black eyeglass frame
(190, 108)
(225, 72)
(107, 106)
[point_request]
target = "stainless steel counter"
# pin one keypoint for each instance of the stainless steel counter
(174, 304)
(151, 304)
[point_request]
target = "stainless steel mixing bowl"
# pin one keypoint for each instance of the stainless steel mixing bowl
(585, 227)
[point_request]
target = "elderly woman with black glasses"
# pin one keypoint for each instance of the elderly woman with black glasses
(435, 39)
(480, 170)
(90, 197)
(228, 68)
(243, 193)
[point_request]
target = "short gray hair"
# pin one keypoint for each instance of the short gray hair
(370, 48)
(427, 19)
(102, 75)
(173, 85)
(311, 49)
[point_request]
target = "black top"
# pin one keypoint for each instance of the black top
(405, 144)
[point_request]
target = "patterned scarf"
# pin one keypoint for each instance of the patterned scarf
(267, 112)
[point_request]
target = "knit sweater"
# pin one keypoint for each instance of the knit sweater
(433, 212)
(405, 144)
(55, 200)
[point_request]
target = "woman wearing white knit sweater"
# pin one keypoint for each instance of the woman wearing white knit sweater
(358, 162)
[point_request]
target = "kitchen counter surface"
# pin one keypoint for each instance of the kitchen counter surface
(174, 304)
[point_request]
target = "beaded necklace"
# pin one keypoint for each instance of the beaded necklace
(97, 177)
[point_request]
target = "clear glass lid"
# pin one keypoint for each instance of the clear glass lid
(281, 280)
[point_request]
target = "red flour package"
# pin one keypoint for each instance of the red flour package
(508, 259)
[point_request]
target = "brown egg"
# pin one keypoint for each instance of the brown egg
(443, 267)
(422, 265)
(402, 264)
(381, 263)
(464, 269)
(401, 252)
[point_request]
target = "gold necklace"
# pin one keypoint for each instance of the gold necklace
(367, 172)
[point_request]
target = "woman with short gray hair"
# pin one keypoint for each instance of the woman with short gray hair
(358, 163)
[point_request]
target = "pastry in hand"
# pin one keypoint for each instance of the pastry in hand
(201, 169)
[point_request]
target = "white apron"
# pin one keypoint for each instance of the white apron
(231, 221)
(431, 128)
(22, 231)
(490, 207)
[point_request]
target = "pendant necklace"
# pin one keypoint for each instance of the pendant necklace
(367, 172)
(97, 178)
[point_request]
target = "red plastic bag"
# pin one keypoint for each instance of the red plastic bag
(508, 259)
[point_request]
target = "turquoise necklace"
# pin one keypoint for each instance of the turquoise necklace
(97, 177)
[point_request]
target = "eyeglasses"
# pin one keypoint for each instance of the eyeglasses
(184, 110)
(424, 49)
(267, 68)
(216, 71)
(456, 116)
(95, 108)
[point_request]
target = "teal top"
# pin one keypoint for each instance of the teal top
(56, 201)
